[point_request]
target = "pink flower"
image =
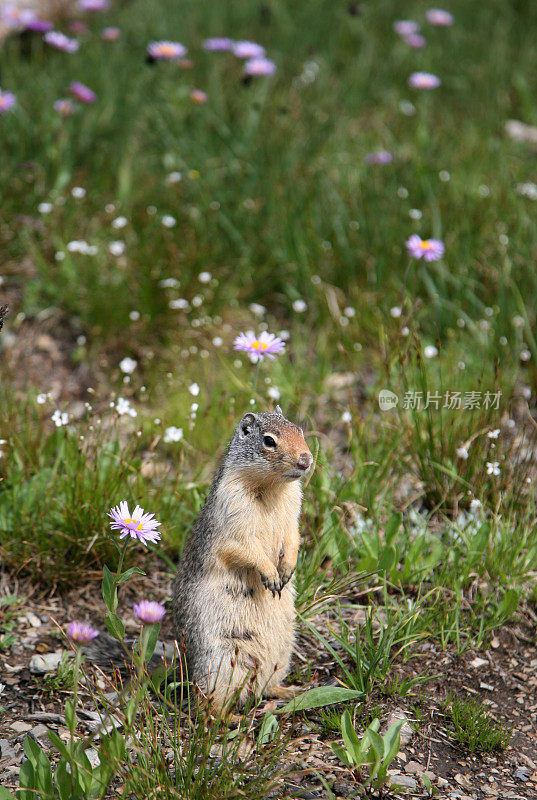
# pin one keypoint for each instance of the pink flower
(82, 92)
(218, 44)
(64, 107)
(15, 17)
(168, 51)
(415, 40)
(110, 34)
(81, 632)
(61, 42)
(259, 67)
(428, 249)
(439, 17)
(424, 80)
(406, 27)
(267, 344)
(7, 101)
(248, 50)
(198, 96)
(136, 525)
(149, 611)
(39, 25)
(379, 157)
(93, 5)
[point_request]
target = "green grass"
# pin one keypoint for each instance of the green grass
(471, 725)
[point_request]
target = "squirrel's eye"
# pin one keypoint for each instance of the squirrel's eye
(268, 441)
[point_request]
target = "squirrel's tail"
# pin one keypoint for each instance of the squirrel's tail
(109, 653)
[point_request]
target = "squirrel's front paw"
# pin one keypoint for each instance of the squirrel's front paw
(286, 571)
(271, 581)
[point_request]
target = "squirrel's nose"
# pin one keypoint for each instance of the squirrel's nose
(304, 461)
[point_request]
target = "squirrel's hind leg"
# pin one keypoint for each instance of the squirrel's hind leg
(282, 692)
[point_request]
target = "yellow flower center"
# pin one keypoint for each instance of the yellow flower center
(139, 526)
(167, 50)
(257, 345)
(426, 245)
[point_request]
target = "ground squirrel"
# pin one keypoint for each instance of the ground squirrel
(233, 595)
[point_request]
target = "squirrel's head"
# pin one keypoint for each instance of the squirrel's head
(268, 448)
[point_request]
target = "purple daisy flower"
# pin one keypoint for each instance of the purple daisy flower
(61, 42)
(149, 611)
(81, 632)
(93, 5)
(15, 17)
(7, 101)
(168, 51)
(260, 66)
(379, 157)
(424, 80)
(415, 40)
(64, 106)
(110, 34)
(82, 92)
(406, 27)
(257, 347)
(428, 249)
(198, 96)
(218, 44)
(439, 17)
(39, 25)
(137, 525)
(248, 50)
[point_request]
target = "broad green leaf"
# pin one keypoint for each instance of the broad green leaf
(70, 715)
(388, 559)
(32, 750)
(150, 636)
(319, 697)
(392, 741)
(5, 794)
(342, 754)
(109, 589)
(509, 604)
(114, 625)
(62, 779)
(351, 740)
(58, 744)
(127, 574)
(268, 729)
(392, 526)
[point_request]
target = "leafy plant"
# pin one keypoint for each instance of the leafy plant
(368, 758)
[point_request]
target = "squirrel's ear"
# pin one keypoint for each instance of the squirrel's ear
(278, 411)
(246, 425)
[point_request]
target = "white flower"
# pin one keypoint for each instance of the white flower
(395, 312)
(78, 192)
(430, 351)
(117, 248)
(218, 341)
(493, 468)
(44, 208)
(134, 315)
(194, 406)
(346, 417)
(273, 392)
(59, 256)
(462, 452)
(173, 434)
(60, 418)
(300, 306)
(42, 398)
(168, 283)
(405, 331)
(128, 365)
(349, 312)
(124, 407)
(174, 177)
(525, 355)
(119, 222)
(257, 309)
(285, 335)
(204, 277)
(493, 434)
(475, 505)
(194, 389)
(180, 303)
(168, 221)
